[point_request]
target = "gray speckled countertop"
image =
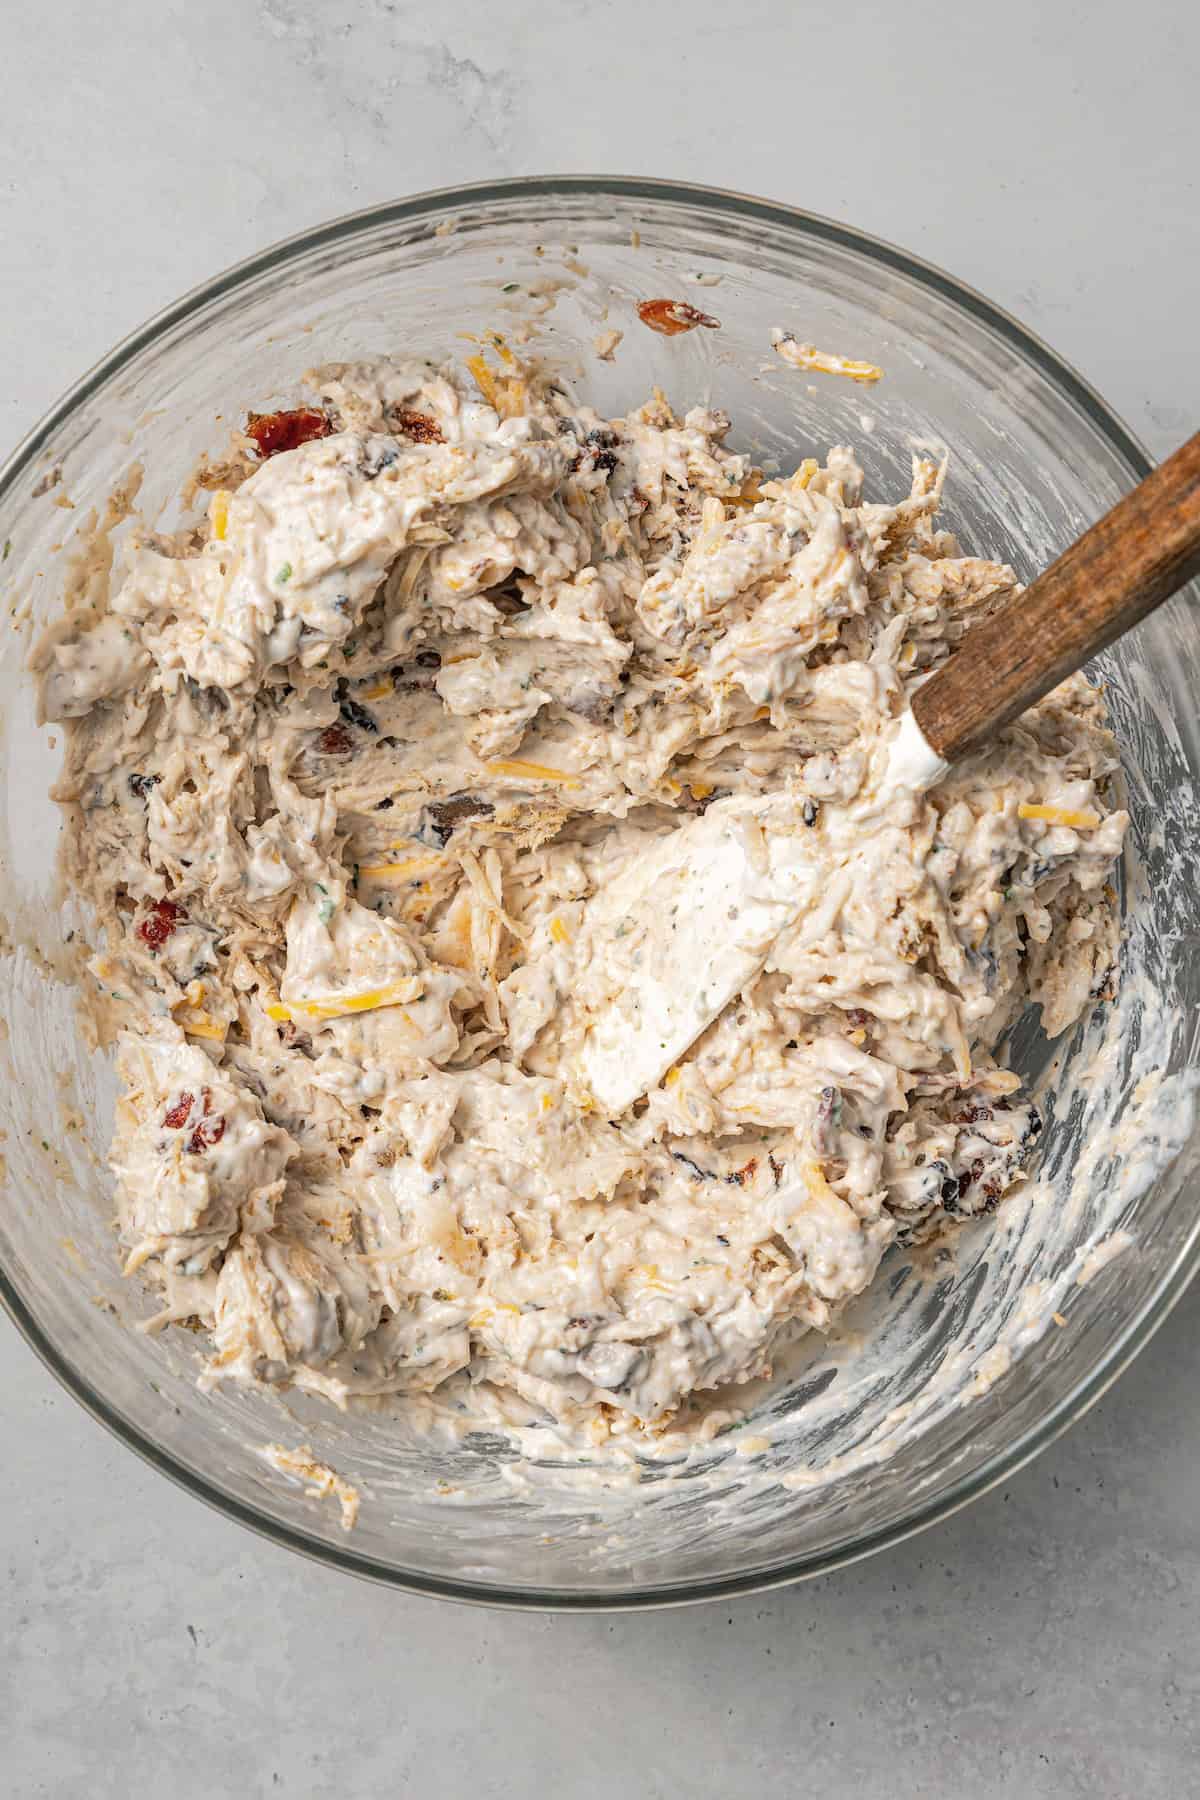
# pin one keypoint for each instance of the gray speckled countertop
(1043, 1643)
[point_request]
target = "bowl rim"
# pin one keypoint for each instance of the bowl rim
(1136, 1331)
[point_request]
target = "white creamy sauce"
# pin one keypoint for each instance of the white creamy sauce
(485, 766)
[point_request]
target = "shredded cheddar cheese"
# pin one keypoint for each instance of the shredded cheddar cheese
(323, 1482)
(336, 1006)
(823, 362)
(559, 932)
(749, 494)
(651, 1278)
(218, 513)
(399, 871)
(815, 1182)
(1059, 815)
(505, 393)
(532, 771)
(195, 1021)
(201, 1025)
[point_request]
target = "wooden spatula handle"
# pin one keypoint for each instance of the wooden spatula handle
(1130, 561)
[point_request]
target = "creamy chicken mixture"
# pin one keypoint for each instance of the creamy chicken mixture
(361, 773)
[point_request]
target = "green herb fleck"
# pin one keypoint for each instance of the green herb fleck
(325, 910)
(285, 574)
(510, 287)
(7, 550)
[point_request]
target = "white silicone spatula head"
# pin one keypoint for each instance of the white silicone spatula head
(685, 931)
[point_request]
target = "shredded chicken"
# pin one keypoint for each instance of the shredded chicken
(345, 765)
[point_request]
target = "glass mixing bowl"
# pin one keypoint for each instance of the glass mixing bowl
(952, 1371)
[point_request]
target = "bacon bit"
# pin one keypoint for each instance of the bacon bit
(175, 1117)
(673, 316)
(418, 426)
(746, 1173)
(278, 431)
(776, 1169)
(335, 740)
(209, 1131)
(860, 1018)
(159, 923)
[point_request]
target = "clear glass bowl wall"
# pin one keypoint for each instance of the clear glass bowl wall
(892, 1424)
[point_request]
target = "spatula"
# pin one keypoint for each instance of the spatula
(729, 884)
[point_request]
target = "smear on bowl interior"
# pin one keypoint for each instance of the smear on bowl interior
(346, 761)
